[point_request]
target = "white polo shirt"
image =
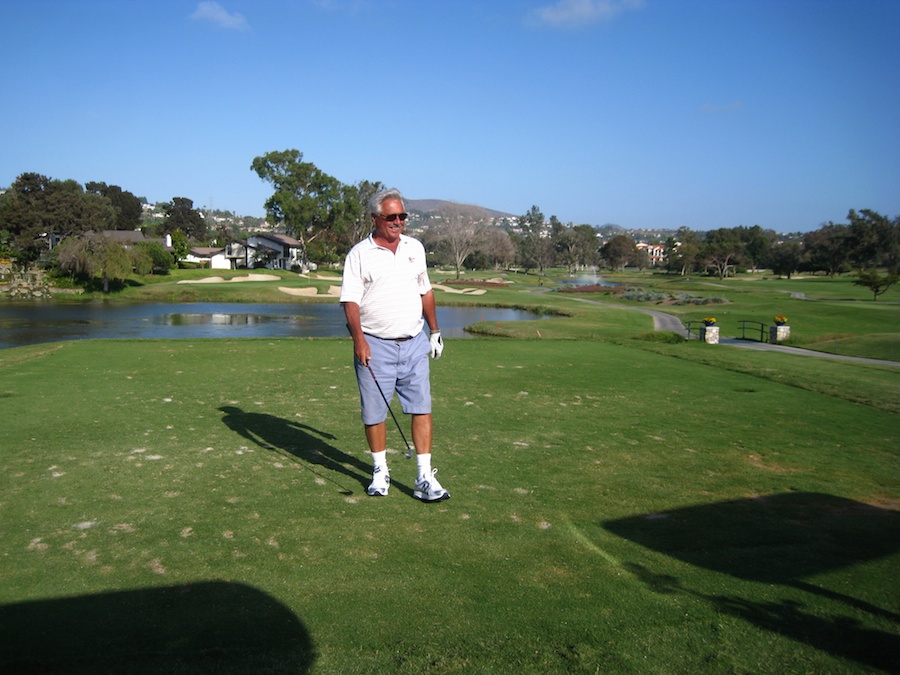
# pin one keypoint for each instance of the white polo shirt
(387, 286)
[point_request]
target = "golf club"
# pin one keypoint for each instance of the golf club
(409, 452)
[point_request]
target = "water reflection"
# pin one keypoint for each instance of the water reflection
(32, 323)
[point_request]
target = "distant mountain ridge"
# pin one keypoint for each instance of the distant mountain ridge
(433, 205)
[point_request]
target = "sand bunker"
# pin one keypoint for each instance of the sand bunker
(220, 280)
(333, 291)
(465, 291)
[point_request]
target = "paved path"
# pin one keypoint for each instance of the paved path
(661, 320)
(670, 322)
(766, 347)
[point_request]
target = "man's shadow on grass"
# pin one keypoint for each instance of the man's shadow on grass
(201, 627)
(778, 540)
(299, 442)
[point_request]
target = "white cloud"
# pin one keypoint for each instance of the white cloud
(573, 13)
(217, 15)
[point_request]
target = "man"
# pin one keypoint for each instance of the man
(388, 299)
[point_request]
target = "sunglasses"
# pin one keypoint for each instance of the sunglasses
(390, 218)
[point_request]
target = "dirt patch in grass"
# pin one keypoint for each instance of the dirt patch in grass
(757, 461)
(476, 284)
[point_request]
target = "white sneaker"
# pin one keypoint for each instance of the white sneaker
(381, 481)
(429, 490)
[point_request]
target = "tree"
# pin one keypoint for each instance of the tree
(532, 224)
(874, 240)
(499, 247)
(161, 260)
(619, 251)
(360, 227)
(827, 249)
(307, 202)
(460, 231)
(785, 258)
(38, 213)
(722, 249)
(6, 250)
(141, 261)
(343, 226)
(181, 215)
(577, 247)
(682, 251)
(180, 245)
(129, 208)
(94, 255)
(757, 244)
(875, 281)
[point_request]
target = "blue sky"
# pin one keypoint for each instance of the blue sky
(643, 113)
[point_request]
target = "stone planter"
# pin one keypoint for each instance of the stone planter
(710, 335)
(779, 333)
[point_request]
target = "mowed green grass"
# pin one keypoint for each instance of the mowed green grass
(199, 506)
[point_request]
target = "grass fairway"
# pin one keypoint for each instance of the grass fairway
(199, 506)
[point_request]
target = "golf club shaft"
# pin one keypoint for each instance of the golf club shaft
(408, 452)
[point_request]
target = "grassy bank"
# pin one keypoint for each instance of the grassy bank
(830, 315)
(199, 506)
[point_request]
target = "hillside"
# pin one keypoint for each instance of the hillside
(433, 205)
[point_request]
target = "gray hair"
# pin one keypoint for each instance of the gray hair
(379, 197)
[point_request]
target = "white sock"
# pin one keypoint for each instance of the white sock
(379, 460)
(424, 462)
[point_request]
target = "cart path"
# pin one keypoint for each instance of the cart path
(670, 322)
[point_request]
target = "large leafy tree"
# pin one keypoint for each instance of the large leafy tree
(785, 258)
(343, 223)
(757, 244)
(683, 251)
(38, 212)
(874, 240)
(307, 202)
(577, 247)
(181, 215)
(826, 249)
(360, 226)
(532, 226)
(94, 255)
(161, 261)
(722, 250)
(129, 208)
(875, 281)
(619, 251)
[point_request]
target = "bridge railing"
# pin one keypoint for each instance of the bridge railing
(754, 330)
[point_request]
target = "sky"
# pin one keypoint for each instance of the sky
(641, 113)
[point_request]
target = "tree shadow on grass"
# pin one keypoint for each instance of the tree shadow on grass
(208, 627)
(780, 539)
(299, 442)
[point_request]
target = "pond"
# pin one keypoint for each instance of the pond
(33, 323)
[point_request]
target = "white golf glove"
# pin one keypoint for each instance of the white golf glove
(437, 344)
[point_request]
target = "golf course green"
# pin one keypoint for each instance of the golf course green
(623, 501)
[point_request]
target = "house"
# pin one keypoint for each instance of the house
(129, 238)
(272, 251)
(126, 238)
(213, 258)
(656, 253)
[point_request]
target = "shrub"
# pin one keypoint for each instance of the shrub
(640, 295)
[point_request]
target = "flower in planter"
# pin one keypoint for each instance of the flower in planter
(709, 321)
(780, 320)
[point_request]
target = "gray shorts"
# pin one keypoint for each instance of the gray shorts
(401, 368)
